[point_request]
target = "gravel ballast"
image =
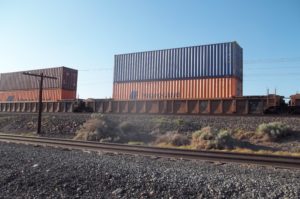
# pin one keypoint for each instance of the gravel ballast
(53, 125)
(66, 124)
(43, 172)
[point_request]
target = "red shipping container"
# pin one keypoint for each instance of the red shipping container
(66, 79)
(33, 95)
(208, 88)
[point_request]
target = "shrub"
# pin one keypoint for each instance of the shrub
(126, 127)
(164, 124)
(101, 128)
(242, 135)
(96, 129)
(208, 138)
(179, 122)
(272, 131)
(179, 140)
(172, 138)
(161, 124)
(225, 140)
(201, 137)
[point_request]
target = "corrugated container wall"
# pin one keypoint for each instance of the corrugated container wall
(66, 79)
(198, 72)
(207, 88)
(215, 60)
(32, 95)
(19, 87)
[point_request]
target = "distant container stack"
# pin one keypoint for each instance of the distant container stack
(16, 86)
(198, 72)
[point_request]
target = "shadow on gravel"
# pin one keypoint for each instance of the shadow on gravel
(254, 147)
(294, 136)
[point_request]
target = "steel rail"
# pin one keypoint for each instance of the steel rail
(215, 156)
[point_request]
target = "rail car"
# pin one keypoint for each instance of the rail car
(294, 104)
(246, 105)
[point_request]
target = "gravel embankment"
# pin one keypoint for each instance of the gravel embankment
(195, 122)
(53, 125)
(65, 125)
(39, 172)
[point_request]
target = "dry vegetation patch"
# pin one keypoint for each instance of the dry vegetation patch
(273, 131)
(172, 138)
(159, 131)
(97, 128)
(102, 129)
(209, 138)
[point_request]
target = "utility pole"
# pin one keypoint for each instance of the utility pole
(41, 76)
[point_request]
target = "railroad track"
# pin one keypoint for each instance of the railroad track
(217, 156)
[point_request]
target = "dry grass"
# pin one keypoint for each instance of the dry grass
(266, 152)
(165, 145)
(30, 134)
(236, 150)
(135, 143)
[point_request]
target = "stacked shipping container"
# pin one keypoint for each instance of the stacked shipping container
(19, 87)
(199, 72)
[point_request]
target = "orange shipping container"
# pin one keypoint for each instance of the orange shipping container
(209, 88)
(33, 95)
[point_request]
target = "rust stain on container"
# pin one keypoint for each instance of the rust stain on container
(208, 88)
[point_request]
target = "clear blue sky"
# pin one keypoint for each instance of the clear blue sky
(85, 35)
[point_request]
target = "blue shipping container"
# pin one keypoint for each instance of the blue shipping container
(205, 61)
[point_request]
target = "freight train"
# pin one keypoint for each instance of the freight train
(246, 105)
(205, 79)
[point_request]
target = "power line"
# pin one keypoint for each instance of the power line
(272, 67)
(94, 69)
(95, 82)
(275, 60)
(272, 74)
(246, 62)
(248, 68)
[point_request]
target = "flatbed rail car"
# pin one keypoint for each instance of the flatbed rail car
(270, 104)
(238, 105)
(32, 107)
